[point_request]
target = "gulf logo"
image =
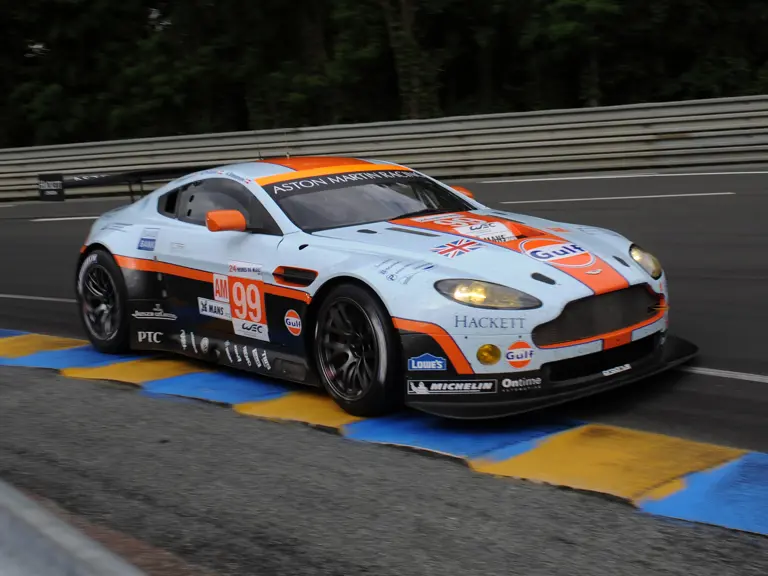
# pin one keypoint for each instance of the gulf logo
(557, 252)
(519, 354)
(293, 322)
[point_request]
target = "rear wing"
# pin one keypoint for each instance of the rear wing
(53, 187)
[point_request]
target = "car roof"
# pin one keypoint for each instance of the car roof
(274, 166)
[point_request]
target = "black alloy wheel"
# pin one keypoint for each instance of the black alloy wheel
(101, 298)
(356, 352)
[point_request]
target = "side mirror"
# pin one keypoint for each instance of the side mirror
(463, 191)
(226, 221)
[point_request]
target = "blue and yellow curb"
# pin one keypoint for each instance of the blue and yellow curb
(658, 474)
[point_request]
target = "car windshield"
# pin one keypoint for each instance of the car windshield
(315, 204)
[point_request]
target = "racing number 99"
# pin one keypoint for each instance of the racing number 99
(246, 298)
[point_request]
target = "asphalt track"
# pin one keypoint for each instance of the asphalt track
(241, 496)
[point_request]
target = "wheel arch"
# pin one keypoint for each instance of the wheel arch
(320, 296)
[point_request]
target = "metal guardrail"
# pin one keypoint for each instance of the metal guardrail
(33, 542)
(723, 132)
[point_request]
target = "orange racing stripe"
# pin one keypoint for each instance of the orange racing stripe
(143, 265)
(581, 266)
(312, 162)
(446, 342)
(327, 171)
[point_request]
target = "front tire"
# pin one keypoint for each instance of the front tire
(102, 303)
(356, 352)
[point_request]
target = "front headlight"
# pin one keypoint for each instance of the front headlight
(481, 294)
(647, 261)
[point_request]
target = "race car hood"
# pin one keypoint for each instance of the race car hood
(511, 249)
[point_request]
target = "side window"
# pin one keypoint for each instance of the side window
(166, 204)
(199, 198)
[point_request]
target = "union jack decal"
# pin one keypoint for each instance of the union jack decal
(457, 247)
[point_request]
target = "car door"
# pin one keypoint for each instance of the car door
(216, 280)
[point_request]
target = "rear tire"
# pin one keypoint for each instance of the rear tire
(102, 300)
(356, 352)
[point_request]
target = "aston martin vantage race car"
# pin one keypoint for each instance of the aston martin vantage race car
(379, 284)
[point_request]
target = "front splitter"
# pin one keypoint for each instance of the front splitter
(674, 352)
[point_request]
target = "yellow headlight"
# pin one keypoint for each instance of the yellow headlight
(488, 354)
(647, 261)
(473, 293)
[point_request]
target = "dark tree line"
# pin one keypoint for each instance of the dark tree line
(80, 70)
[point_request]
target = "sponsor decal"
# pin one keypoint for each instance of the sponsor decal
(221, 288)
(227, 344)
(450, 220)
(245, 270)
(148, 239)
(157, 313)
(519, 354)
(293, 322)
(510, 385)
(150, 337)
(91, 259)
(457, 247)
(425, 387)
(192, 340)
(251, 330)
(117, 226)
(237, 177)
(50, 186)
(488, 231)
(204, 345)
(256, 359)
(340, 180)
(617, 370)
(247, 356)
(488, 322)
(183, 340)
(400, 271)
(265, 360)
(594, 272)
(213, 309)
(557, 252)
(237, 355)
(427, 362)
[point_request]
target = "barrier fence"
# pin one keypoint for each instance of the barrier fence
(676, 135)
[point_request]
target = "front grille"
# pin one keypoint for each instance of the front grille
(591, 364)
(595, 315)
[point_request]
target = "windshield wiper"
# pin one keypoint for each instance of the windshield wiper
(424, 212)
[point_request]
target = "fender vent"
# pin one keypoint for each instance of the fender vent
(416, 232)
(366, 231)
(621, 261)
(288, 276)
(542, 278)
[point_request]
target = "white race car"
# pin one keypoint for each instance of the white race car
(376, 282)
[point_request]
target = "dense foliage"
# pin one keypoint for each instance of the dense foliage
(77, 70)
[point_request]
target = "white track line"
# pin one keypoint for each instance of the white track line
(7, 205)
(38, 298)
(725, 374)
(617, 176)
(617, 198)
(63, 218)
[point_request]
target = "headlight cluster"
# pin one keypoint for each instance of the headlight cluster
(480, 294)
(647, 261)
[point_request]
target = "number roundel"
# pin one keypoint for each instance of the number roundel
(246, 299)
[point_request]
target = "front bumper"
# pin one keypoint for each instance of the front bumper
(483, 396)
